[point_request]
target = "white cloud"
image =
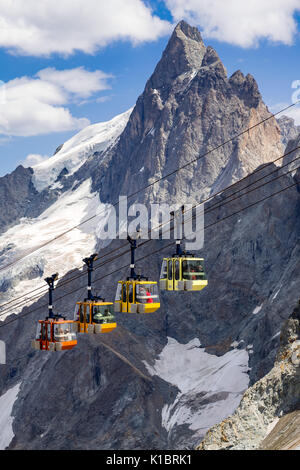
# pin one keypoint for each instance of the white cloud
(33, 159)
(275, 108)
(293, 112)
(37, 105)
(238, 22)
(78, 81)
(43, 27)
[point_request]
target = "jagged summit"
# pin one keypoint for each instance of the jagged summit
(237, 77)
(246, 88)
(190, 105)
(183, 53)
(210, 57)
(183, 28)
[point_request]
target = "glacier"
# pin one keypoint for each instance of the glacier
(215, 383)
(73, 154)
(7, 401)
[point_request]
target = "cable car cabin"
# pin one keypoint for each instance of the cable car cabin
(94, 317)
(183, 273)
(55, 335)
(137, 296)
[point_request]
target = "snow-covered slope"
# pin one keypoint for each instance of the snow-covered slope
(69, 210)
(6, 405)
(210, 387)
(95, 138)
(61, 256)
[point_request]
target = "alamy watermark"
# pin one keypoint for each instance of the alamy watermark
(157, 221)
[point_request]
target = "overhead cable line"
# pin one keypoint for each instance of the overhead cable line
(155, 252)
(150, 184)
(227, 200)
(162, 224)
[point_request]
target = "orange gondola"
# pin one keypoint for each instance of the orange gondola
(55, 333)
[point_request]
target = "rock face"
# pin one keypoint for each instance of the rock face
(101, 395)
(285, 434)
(188, 107)
(277, 395)
(289, 130)
(292, 161)
(16, 194)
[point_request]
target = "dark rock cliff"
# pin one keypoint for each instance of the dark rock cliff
(16, 194)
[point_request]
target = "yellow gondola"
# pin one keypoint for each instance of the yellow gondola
(94, 314)
(137, 294)
(182, 271)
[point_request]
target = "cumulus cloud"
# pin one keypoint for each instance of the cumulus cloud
(38, 105)
(295, 114)
(240, 23)
(77, 81)
(33, 159)
(43, 27)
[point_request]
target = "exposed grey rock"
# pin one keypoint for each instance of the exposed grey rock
(16, 195)
(285, 434)
(58, 149)
(184, 52)
(288, 128)
(19, 198)
(292, 161)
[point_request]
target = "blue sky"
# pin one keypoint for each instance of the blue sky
(59, 80)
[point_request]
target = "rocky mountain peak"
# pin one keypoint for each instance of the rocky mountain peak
(210, 57)
(184, 52)
(184, 29)
(17, 188)
(212, 70)
(237, 78)
(246, 87)
(189, 105)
